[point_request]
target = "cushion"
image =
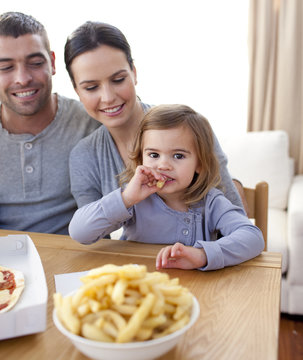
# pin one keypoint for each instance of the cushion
(277, 235)
(261, 156)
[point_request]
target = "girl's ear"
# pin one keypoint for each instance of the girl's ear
(198, 168)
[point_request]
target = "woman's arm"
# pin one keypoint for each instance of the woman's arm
(84, 178)
(228, 187)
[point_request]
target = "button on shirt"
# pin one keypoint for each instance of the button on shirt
(29, 169)
(28, 146)
(31, 158)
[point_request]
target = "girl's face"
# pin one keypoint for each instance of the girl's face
(172, 153)
(105, 85)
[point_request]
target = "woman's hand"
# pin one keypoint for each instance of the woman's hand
(142, 185)
(181, 257)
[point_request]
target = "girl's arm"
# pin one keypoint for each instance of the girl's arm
(240, 241)
(99, 218)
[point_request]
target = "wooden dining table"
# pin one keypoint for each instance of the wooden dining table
(239, 305)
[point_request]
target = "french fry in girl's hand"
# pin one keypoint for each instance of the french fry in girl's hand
(160, 184)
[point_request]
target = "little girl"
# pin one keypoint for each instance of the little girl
(170, 197)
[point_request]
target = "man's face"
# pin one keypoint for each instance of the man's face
(26, 70)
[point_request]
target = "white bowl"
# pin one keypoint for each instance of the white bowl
(143, 350)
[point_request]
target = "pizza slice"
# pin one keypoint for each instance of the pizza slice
(11, 287)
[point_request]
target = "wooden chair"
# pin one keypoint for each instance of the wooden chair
(257, 201)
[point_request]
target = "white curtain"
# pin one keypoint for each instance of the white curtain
(276, 70)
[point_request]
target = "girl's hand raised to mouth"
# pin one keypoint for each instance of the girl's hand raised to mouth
(143, 184)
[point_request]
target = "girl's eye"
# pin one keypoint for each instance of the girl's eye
(153, 155)
(178, 156)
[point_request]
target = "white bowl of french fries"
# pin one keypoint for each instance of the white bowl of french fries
(125, 312)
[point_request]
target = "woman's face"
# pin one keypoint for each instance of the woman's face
(105, 85)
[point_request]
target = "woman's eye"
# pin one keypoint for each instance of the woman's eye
(90, 88)
(119, 80)
(153, 155)
(179, 156)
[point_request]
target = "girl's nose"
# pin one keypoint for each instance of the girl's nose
(164, 164)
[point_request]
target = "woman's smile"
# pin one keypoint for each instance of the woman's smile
(113, 111)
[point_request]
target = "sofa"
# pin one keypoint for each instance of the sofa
(264, 155)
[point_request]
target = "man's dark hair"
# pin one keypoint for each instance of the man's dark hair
(16, 24)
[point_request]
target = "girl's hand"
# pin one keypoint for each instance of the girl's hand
(142, 185)
(181, 257)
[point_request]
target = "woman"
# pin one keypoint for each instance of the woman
(99, 61)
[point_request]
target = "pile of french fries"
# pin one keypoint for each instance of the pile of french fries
(124, 304)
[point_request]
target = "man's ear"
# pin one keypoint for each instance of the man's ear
(53, 58)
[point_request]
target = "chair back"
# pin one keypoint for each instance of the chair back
(257, 201)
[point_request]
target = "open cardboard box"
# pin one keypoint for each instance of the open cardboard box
(29, 315)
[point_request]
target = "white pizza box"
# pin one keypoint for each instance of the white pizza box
(29, 315)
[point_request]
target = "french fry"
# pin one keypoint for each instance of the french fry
(83, 309)
(154, 321)
(100, 322)
(132, 300)
(182, 299)
(135, 322)
(118, 293)
(143, 288)
(127, 271)
(68, 318)
(92, 332)
(144, 334)
(124, 309)
(174, 326)
(174, 290)
(90, 318)
(110, 329)
(181, 310)
(115, 317)
(160, 184)
(95, 283)
(94, 305)
(158, 307)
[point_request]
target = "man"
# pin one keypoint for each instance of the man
(38, 129)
